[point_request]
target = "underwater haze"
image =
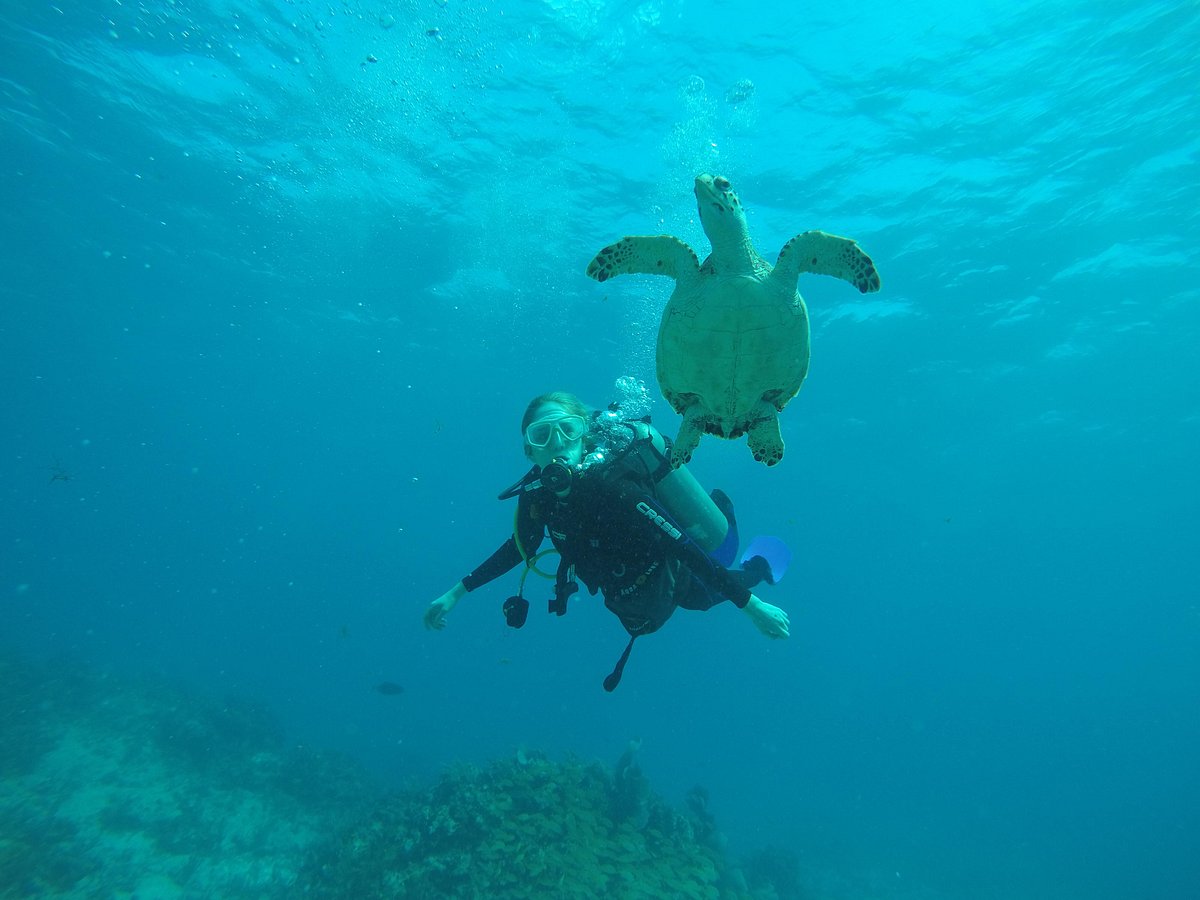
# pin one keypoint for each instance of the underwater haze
(279, 279)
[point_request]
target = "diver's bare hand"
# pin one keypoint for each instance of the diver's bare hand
(770, 620)
(435, 614)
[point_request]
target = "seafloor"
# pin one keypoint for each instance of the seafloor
(119, 788)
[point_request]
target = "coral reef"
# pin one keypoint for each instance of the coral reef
(117, 787)
(528, 827)
(112, 787)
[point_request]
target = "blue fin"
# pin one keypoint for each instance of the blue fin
(774, 551)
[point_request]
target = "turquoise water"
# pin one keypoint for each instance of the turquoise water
(279, 278)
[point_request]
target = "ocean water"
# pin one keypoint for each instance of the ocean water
(279, 279)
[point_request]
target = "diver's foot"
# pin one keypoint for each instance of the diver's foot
(757, 571)
(770, 620)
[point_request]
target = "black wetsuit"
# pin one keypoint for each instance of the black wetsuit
(622, 544)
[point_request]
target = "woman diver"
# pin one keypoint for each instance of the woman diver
(625, 523)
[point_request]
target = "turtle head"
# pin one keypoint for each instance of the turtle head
(721, 212)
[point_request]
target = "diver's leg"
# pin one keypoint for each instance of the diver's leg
(695, 594)
(727, 551)
(754, 571)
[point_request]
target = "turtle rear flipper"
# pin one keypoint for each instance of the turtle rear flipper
(825, 254)
(658, 255)
(688, 439)
(764, 437)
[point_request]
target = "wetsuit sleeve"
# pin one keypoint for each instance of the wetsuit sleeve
(711, 573)
(508, 556)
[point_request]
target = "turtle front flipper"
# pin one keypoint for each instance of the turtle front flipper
(764, 437)
(688, 438)
(659, 255)
(825, 254)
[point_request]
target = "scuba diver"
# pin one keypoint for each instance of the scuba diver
(625, 523)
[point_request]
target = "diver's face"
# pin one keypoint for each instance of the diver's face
(561, 431)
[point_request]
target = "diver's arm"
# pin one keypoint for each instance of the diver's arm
(770, 620)
(436, 612)
(530, 532)
(767, 618)
(714, 575)
(505, 559)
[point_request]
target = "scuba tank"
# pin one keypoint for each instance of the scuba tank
(693, 509)
(677, 490)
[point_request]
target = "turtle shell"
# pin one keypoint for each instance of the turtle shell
(727, 342)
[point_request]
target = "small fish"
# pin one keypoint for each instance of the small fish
(389, 687)
(59, 473)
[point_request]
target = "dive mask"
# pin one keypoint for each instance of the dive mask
(539, 433)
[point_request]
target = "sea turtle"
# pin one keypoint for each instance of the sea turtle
(733, 343)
